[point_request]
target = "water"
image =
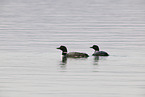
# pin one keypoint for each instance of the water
(30, 32)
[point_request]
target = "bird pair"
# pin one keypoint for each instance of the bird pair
(82, 55)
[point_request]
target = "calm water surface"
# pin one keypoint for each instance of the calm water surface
(30, 32)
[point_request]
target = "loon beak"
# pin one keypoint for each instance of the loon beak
(57, 48)
(91, 47)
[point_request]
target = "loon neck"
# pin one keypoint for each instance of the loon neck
(64, 53)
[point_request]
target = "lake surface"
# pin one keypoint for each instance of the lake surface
(31, 30)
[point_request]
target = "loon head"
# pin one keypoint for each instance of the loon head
(95, 47)
(63, 49)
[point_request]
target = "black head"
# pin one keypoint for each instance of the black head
(63, 49)
(95, 47)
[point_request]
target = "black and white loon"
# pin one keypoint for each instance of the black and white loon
(97, 52)
(72, 54)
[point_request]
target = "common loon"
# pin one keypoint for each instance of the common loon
(97, 52)
(72, 54)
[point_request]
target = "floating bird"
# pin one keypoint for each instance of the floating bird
(72, 54)
(97, 52)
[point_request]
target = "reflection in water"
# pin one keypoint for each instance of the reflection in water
(64, 59)
(96, 60)
(62, 66)
(63, 62)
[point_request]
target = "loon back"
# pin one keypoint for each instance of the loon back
(77, 55)
(100, 53)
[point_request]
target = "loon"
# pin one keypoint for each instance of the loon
(97, 52)
(72, 54)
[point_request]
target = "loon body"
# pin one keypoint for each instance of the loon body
(72, 54)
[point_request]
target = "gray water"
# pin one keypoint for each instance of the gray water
(31, 30)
